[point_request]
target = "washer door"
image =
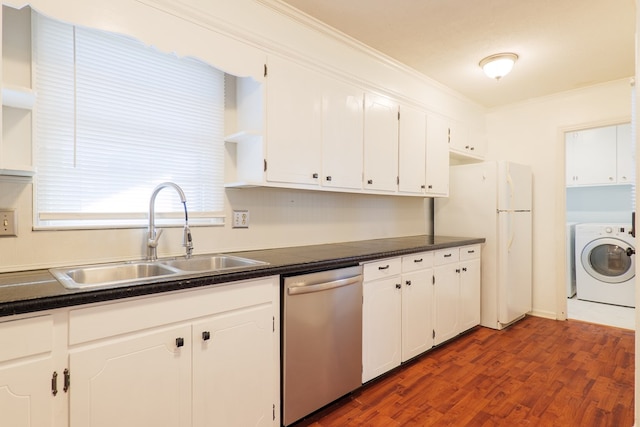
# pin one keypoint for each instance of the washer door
(606, 259)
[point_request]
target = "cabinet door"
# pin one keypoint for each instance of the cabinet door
(380, 143)
(381, 327)
(446, 302)
(141, 380)
(26, 369)
(342, 135)
(233, 375)
(25, 395)
(417, 314)
(624, 154)
(469, 294)
(458, 135)
(412, 147)
(591, 156)
(294, 117)
(437, 170)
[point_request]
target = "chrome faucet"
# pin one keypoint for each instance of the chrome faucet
(153, 236)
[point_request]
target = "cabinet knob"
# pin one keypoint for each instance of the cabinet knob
(179, 342)
(422, 186)
(328, 178)
(430, 187)
(610, 178)
(369, 181)
(315, 176)
(206, 335)
(408, 282)
(457, 270)
(398, 286)
(464, 268)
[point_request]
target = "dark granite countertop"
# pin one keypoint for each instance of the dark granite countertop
(30, 291)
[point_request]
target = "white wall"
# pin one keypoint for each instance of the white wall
(533, 133)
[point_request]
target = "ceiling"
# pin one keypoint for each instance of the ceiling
(562, 44)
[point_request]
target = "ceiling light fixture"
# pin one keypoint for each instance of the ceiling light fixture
(498, 65)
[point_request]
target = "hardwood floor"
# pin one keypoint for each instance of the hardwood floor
(538, 372)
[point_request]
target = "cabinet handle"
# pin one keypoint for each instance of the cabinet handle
(418, 260)
(206, 336)
(383, 268)
(472, 251)
(447, 255)
(369, 181)
(67, 381)
(398, 286)
(328, 178)
(408, 282)
(54, 383)
(315, 176)
(179, 342)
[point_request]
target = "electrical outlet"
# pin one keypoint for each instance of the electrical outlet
(8, 222)
(241, 219)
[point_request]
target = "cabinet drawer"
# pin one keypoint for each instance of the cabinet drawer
(26, 337)
(415, 262)
(446, 256)
(379, 269)
(469, 252)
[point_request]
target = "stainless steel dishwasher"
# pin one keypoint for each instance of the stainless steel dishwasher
(322, 339)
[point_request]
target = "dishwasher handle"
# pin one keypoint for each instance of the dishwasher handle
(301, 288)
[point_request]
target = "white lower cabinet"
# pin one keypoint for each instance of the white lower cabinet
(205, 357)
(397, 312)
(233, 349)
(26, 370)
(381, 318)
(469, 287)
(417, 304)
(144, 379)
(456, 275)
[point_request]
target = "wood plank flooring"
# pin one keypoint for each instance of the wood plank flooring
(538, 372)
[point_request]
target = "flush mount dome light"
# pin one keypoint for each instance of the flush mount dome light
(498, 65)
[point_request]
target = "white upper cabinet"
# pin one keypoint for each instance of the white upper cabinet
(412, 148)
(17, 95)
(342, 135)
(293, 123)
(591, 156)
(624, 154)
(437, 162)
(380, 143)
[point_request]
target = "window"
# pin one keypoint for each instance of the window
(113, 119)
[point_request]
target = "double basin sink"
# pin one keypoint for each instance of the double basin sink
(138, 272)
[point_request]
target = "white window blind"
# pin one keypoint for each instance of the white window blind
(113, 119)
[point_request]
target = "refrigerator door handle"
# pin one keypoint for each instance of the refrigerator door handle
(511, 233)
(511, 189)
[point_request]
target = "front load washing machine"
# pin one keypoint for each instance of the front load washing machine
(604, 270)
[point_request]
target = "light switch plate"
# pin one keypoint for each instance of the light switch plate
(241, 219)
(8, 223)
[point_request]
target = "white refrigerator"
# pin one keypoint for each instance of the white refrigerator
(493, 200)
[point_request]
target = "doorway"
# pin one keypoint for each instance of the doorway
(600, 195)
